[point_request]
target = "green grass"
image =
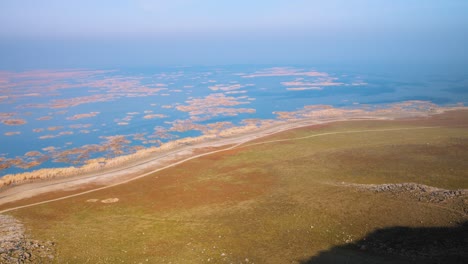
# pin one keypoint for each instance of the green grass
(271, 203)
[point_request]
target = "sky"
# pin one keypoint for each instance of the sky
(141, 33)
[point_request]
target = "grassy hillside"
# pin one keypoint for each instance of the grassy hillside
(279, 202)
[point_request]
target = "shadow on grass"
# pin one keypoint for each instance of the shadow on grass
(402, 245)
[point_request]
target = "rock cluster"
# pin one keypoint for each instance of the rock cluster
(421, 192)
(16, 248)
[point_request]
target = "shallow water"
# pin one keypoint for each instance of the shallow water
(65, 117)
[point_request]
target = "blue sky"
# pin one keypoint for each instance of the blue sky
(133, 33)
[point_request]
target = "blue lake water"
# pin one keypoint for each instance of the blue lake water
(46, 113)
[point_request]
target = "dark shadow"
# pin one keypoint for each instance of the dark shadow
(402, 245)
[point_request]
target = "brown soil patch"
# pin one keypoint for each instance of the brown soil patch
(110, 200)
(178, 187)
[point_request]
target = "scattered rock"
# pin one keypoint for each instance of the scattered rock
(16, 248)
(420, 192)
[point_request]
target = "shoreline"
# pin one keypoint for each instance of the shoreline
(42, 186)
(148, 162)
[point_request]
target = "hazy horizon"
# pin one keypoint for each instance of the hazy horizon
(132, 33)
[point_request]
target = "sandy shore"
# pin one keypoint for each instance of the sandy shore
(151, 163)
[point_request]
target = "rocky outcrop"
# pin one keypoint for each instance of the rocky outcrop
(15, 247)
(452, 200)
(420, 192)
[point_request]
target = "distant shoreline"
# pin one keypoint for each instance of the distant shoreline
(130, 167)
